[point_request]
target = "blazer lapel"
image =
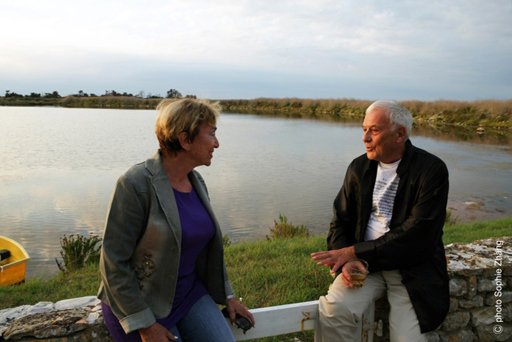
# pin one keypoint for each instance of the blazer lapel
(165, 195)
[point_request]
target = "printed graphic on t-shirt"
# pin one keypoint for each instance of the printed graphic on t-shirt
(384, 193)
(383, 199)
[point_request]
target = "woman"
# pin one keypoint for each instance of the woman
(162, 262)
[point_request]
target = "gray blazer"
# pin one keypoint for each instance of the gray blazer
(142, 247)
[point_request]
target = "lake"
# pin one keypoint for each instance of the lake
(60, 165)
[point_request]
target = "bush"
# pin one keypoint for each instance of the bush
(283, 229)
(78, 251)
(226, 241)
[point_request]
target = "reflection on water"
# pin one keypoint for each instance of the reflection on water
(466, 134)
(59, 167)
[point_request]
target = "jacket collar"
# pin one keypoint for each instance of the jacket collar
(403, 167)
(164, 193)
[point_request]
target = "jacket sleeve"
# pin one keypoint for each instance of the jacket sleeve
(125, 225)
(342, 227)
(415, 239)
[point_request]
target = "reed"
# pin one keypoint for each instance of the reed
(493, 114)
(77, 251)
(496, 114)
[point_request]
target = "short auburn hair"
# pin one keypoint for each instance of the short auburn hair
(184, 115)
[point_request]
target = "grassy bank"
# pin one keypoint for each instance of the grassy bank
(491, 114)
(264, 273)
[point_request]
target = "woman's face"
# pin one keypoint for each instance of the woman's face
(201, 148)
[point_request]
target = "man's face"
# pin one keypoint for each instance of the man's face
(383, 141)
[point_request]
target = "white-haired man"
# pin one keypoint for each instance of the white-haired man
(390, 212)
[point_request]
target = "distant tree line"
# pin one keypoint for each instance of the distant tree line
(481, 115)
(53, 95)
(171, 94)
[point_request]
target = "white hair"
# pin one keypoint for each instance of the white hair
(398, 115)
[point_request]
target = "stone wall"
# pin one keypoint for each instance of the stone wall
(480, 294)
(77, 319)
(480, 308)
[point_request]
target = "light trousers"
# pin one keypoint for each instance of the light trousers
(341, 310)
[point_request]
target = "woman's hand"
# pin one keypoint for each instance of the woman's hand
(234, 306)
(156, 333)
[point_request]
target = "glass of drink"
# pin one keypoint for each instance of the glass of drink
(358, 270)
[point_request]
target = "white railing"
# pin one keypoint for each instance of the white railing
(297, 317)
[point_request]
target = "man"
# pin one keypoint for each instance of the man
(390, 212)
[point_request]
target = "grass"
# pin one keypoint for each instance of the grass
(265, 273)
(478, 230)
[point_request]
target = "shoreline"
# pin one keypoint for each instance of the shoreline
(475, 210)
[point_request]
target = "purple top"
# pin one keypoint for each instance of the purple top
(197, 229)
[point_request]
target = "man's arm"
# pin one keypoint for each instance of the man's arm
(342, 227)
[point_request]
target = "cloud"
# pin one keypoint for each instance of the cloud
(401, 49)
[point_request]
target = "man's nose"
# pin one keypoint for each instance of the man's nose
(367, 136)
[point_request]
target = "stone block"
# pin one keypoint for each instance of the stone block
(486, 285)
(464, 335)
(454, 304)
(475, 302)
(458, 287)
(483, 316)
(490, 333)
(456, 320)
(472, 283)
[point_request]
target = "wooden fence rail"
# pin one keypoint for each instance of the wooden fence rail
(297, 317)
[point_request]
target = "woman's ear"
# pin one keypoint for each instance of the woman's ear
(184, 140)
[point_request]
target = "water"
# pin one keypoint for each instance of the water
(59, 168)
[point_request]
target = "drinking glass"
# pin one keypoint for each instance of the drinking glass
(358, 270)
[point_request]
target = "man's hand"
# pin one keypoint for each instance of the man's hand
(335, 258)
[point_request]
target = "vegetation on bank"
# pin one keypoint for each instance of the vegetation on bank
(487, 114)
(496, 114)
(274, 271)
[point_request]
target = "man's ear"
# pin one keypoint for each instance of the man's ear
(401, 134)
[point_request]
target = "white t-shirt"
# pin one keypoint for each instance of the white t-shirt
(383, 200)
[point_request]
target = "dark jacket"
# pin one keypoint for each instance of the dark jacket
(414, 243)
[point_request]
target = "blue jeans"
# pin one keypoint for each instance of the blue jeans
(204, 322)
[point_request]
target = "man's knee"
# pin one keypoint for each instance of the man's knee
(339, 311)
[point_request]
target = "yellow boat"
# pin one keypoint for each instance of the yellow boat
(13, 262)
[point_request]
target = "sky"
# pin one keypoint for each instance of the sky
(228, 49)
